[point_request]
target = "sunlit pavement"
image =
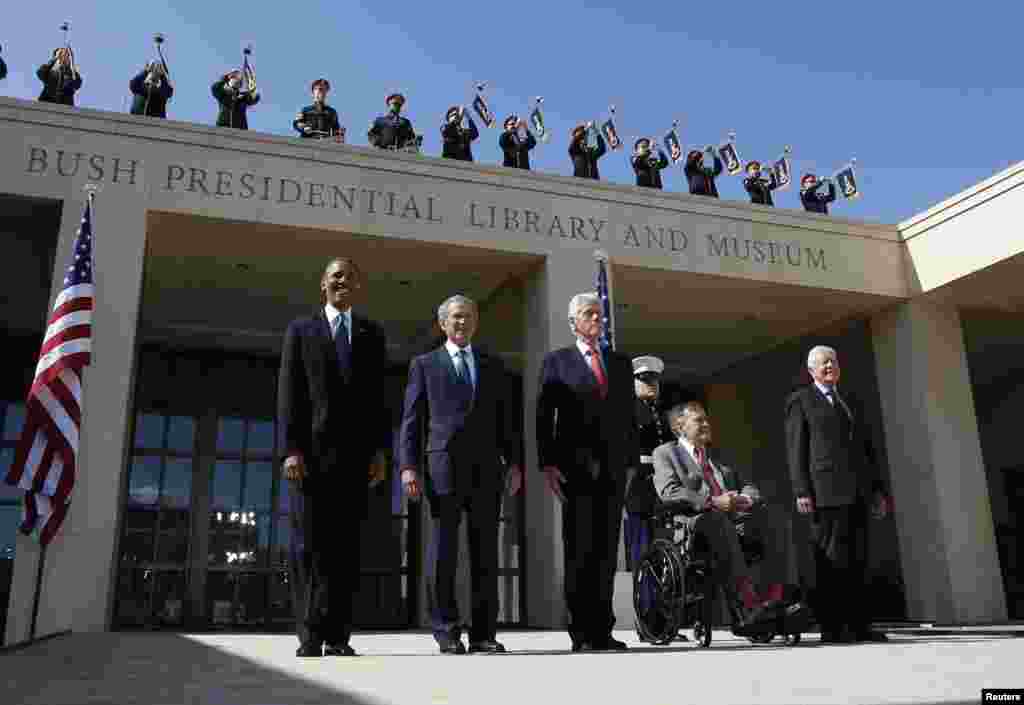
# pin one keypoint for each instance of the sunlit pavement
(255, 669)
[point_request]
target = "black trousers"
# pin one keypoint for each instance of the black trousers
(839, 537)
(482, 508)
(591, 525)
(323, 558)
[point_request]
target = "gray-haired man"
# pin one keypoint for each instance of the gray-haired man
(457, 394)
(584, 439)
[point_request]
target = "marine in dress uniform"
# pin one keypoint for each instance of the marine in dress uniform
(151, 89)
(318, 120)
(60, 77)
(702, 180)
(584, 157)
(233, 101)
(651, 430)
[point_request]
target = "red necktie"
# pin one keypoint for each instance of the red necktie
(709, 474)
(595, 365)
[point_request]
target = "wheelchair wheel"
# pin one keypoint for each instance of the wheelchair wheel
(658, 592)
(765, 638)
(792, 639)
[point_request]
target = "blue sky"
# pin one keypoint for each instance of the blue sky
(927, 98)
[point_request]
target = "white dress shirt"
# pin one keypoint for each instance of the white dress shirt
(453, 351)
(332, 319)
(688, 447)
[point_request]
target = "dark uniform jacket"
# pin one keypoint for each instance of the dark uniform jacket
(829, 454)
(321, 118)
(391, 131)
(584, 158)
(150, 100)
(648, 169)
(58, 87)
(760, 189)
(701, 182)
(813, 203)
(3, 69)
(458, 140)
(233, 105)
(650, 431)
(517, 151)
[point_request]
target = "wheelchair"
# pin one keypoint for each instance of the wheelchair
(675, 589)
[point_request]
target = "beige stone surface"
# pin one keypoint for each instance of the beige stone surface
(125, 669)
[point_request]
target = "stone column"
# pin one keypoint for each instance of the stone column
(943, 516)
(547, 293)
(80, 568)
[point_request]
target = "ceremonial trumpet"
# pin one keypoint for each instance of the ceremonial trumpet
(159, 39)
(248, 72)
(68, 53)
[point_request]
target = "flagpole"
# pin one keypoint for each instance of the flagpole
(38, 592)
(91, 190)
(599, 257)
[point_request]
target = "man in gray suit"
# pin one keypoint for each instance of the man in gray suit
(716, 504)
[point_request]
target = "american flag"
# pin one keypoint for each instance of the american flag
(607, 340)
(45, 459)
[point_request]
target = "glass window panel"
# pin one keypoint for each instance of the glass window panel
(226, 486)
(169, 597)
(149, 431)
(10, 518)
(137, 547)
(261, 438)
(230, 433)
(252, 599)
(259, 483)
(224, 540)
(133, 589)
(220, 597)
(284, 489)
(140, 518)
(279, 606)
(181, 434)
(282, 537)
(7, 492)
(14, 420)
(144, 480)
(177, 489)
(172, 547)
(263, 545)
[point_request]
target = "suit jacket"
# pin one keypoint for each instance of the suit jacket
(461, 430)
(829, 454)
(678, 480)
(575, 426)
(336, 420)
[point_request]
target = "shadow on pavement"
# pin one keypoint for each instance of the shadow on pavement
(129, 669)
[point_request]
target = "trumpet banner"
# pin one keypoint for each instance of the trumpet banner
(730, 158)
(846, 182)
(673, 146)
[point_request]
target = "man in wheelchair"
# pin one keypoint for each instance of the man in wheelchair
(717, 512)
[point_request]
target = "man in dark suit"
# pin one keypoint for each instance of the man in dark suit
(717, 504)
(457, 393)
(333, 433)
(585, 443)
(834, 477)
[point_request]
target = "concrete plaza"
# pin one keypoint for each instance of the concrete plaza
(941, 666)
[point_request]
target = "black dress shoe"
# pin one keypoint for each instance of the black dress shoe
(869, 635)
(339, 650)
(488, 646)
(309, 651)
(610, 643)
(452, 647)
(579, 646)
(834, 636)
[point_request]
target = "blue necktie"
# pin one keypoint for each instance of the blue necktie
(462, 368)
(342, 346)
